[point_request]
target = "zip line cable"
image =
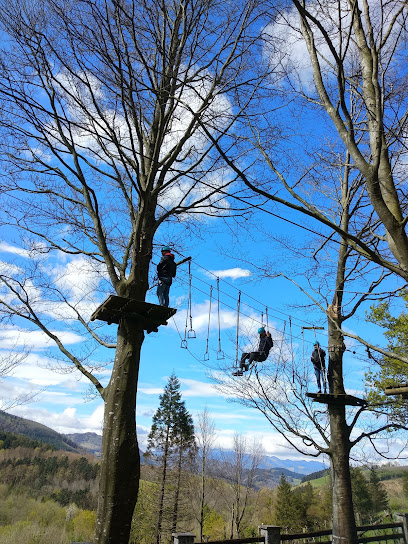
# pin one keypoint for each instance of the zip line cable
(249, 296)
(241, 313)
(237, 289)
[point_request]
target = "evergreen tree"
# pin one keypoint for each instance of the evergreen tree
(171, 434)
(391, 371)
(378, 493)
(285, 505)
(362, 500)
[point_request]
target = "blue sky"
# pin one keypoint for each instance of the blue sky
(247, 254)
(64, 402)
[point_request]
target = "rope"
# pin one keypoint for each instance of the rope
(220, 353)
(206, 355)
(191, 333)
(238, 309)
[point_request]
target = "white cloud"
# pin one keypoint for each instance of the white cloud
(10, 338)
(80, 277)
(195, 388)
(232, 273)
(8, 248)
(9, 269)
(36, 248)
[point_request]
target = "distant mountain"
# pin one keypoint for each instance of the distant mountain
(91, 442)
(270, 468)
(36, 431)
(269, 462)
(295, 465)
(271, 477)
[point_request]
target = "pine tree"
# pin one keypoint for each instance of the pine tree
(378, 493)
(285, 505)
(171, 434)
(362, 500)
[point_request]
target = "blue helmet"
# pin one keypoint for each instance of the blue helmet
(316, 344)
(261, 330)
(166, 248)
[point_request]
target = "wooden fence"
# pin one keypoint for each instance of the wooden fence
(396, 533)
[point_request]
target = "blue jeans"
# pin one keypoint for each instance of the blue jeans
(248, 358)
(163, 289)
(319, 373)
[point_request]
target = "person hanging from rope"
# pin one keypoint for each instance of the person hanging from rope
(166, 271)
(265, 345)
(319, 365)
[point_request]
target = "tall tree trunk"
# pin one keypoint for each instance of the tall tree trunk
(202, 498)
(162, 490)
(120, 464)
(344, 526)
(177, 492)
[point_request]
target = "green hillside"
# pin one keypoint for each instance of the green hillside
(36, 431)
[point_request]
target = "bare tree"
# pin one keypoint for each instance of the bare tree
(280, 393)
(353, 76)
(102, 109)
(239, 468)
(205, 441)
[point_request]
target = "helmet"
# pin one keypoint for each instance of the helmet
(261, 330)
(166, 248)
(316, 344)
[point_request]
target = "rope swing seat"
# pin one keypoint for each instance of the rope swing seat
(150, 316)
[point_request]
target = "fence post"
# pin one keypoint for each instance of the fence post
(271, 533)
(183, 538)
(403, 518)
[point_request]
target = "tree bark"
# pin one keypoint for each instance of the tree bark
(177, 492)
(120, 465)
(344, 526)
(163, 487)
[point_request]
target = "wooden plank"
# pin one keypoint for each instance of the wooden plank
(297, 536)
(379, 526)
(331, 398)
(236, 540)
(115, 307)
(397, 390)
(381, 538)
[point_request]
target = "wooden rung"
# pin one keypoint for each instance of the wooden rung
(397, 390)
(151, 316)
(331, 398)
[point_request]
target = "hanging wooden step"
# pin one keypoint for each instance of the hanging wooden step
(150, 316)
(397, 390)
(338, 398)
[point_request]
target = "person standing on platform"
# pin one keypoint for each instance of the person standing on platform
(318, 360)
(166, 271)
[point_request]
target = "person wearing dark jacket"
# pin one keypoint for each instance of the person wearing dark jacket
(265, 345)
(166, 271)
(319, 365)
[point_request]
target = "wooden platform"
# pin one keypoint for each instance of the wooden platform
(330, 398)
(151, 316)
(397, 390)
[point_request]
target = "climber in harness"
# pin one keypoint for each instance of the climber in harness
(317, 358)
(166, 271)
(265, 345)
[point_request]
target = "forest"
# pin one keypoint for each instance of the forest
(50, 496)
